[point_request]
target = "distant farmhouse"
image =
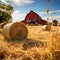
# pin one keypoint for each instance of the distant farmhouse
(55, 22)
(33, 18)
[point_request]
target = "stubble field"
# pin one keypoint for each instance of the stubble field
(39, 45)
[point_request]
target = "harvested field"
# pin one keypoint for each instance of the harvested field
(39, 45)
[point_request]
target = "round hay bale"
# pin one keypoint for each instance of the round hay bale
(46, 28)
(15, 31)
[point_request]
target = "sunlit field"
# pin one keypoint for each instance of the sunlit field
(39, 45)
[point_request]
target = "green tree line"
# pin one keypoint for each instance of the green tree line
(6, 11)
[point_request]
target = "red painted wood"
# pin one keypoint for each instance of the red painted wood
(34, 16)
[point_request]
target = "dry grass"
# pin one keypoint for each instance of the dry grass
(39, 45)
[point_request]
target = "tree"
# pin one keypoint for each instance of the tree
(5, 12)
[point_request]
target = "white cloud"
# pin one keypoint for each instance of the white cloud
(4, 1)
(54, 11)
(17, 16)
(42, 12)
(22, 2)
(57, 17)
(50, 12)
(18, 2)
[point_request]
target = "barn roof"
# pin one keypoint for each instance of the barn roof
(32, 15)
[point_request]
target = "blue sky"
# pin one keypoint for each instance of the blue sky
(22, 7)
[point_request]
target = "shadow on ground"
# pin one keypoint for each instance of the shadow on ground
(28, 43)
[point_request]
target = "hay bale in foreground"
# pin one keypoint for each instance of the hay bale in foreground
(15, 31)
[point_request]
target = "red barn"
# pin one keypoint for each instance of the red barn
(34, 18)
